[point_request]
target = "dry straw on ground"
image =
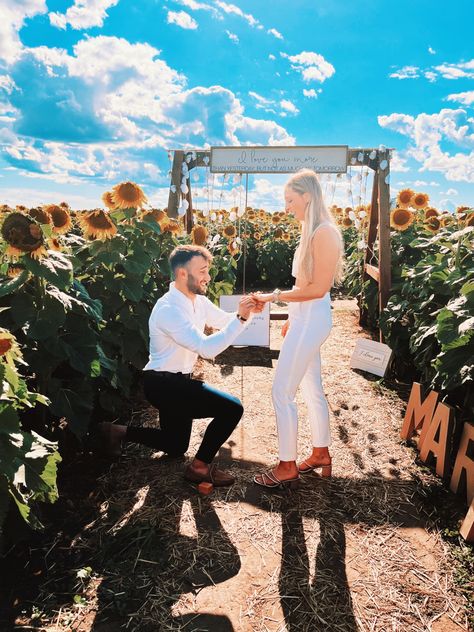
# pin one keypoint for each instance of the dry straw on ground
(358, 552)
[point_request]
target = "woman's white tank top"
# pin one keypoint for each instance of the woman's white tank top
(294, 266)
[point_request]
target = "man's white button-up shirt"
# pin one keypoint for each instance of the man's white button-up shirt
(177, 331)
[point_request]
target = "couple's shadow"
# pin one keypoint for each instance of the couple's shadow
(169, 567)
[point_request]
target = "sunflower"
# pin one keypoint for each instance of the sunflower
(420, 200)
(401, 219)
(158, 215)
(229, 231)
(462, 209)
(286, 236)
(431, 212)
(276, 219)
(172, 226)
(60, 216)
(97, 224)
(7, 342)
(41, 215)
(23, 236)
(54, 244)
(21, 209)
(108, 201)
(262, 213)
(14, 271)
(446, 219)
(233, 248)
(251, 213)
(128, 195)
(432, 224)
(404, 197)
(470, 220)
(257, 236)
(347, 210)
(199, 235)
(278, 234)
(346, 222)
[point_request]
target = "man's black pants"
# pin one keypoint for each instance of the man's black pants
(180, 399)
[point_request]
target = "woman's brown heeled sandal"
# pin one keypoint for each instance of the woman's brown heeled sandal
(326, 468)
(274, 482)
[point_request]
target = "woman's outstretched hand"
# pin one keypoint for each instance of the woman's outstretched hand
(284, 329)
(262, 298)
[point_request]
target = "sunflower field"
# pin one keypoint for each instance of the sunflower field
(77, 289)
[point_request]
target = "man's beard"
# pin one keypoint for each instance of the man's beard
(193, 286)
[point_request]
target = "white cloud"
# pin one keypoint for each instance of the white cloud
(461, 70)
(466, 98)
(58, 20)
(450, 192)
(233, 37)
(272, 57)
(456, 71)
(407, 72)
(198, 6)
(12, 17)
(182, 19)
(289, 107)
(428, 131)
(275, 33)
(431, 51)
(84, 14)
(310, 94)
(397, 163)
(233, 9)
(312, 66)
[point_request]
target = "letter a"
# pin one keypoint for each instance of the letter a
(441, 425)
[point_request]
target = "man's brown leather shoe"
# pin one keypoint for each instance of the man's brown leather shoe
(217, 477)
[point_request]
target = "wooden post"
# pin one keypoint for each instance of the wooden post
(189, 212)
(372, 234)
(441, 425)
(384, 231)
(174, 198)
(464, 463)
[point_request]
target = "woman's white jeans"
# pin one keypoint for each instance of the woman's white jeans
(300, 363)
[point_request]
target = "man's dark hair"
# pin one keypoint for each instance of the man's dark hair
(181, 255)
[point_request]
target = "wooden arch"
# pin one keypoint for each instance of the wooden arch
(379, 218)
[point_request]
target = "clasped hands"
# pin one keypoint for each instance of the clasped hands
(253, 303)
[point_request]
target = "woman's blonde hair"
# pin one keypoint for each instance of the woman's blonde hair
(316, 212)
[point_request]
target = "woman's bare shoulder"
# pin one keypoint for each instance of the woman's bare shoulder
(325, 232)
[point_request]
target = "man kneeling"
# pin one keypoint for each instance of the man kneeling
(176, 339)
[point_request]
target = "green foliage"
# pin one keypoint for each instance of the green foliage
(28, 461)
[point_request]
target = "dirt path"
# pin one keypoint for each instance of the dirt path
(358, 552)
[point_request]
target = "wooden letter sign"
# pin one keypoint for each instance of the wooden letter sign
(435, 438)
(418, 414)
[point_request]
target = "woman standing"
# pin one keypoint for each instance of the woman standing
(316, 265)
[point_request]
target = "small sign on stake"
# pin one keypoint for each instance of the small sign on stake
(371, 356)
(257, 333)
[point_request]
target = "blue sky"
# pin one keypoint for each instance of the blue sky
(94, 92)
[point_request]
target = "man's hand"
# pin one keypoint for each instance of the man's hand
(246, 306)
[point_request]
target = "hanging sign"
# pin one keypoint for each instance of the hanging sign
(276, 159)
(257, 332)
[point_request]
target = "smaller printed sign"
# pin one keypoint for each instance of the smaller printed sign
(371, 356)
(257, 332)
